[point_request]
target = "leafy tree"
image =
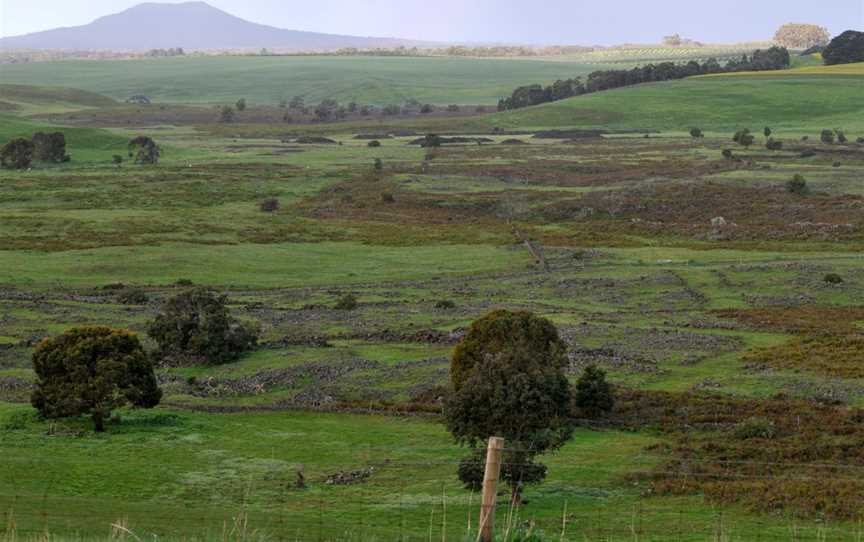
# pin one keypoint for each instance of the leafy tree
(117, 160)
(92, 370)
(17, 154)
(50, 147)
(696, 133)
(427, 108)
(431, 141)
(767, 131)
(241, 105)
(198, 326)
(508, 380)
(827, 136)
(378, 165)
(797, 185)
(144, 150)
(846, 48)
(801, 36)
(352, 107)
(841, 137)
(453, 108)
(774, 144)
(594, 395)
(374, 143)
(391, 110)
(226, 114)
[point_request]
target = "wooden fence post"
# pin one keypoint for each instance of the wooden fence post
(490, 489)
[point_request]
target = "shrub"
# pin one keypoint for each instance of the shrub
(807, 153)
(841, 137)
(797, 185)
(269, 205)
(92, 370)
(445, 304)
(696, 133)
(378, 165)
(827, 136)
(453, 108)
(346, 303)
(197, 325)
(774, 144)
(50, 147)
(17, 154)
(144, 150)
(727, 154)
(755, 427)
(117, 160)
(241, 104)
(132, 296)
(480, 109)
(374, 143)
(744, 138)
(391, 110)
(860, 140)
(387, 197)
(767, 131)
(431, 141)
(427, 108)
(508, 381)
(226, 114)
(594, 396)
(833, 278)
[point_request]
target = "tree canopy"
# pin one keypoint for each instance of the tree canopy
(801, 36)
(846, 48)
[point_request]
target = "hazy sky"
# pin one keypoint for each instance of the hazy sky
(541, 21)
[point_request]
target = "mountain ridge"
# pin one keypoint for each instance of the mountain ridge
(189, 25)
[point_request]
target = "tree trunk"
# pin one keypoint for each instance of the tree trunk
(99, 421)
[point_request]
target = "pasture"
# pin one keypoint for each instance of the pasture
(700, 322)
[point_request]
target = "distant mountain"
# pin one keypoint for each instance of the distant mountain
(190, 25)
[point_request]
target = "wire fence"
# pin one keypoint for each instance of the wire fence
(392, 498)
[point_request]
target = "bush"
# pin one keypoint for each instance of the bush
(144, 150)
(860, 140)
(755, 427)
(696, 133)
(241, 104)
(767, 131)
(17, 154)
(774, 145)
(445, 304)
(374, 143)
(269, 205)
(427, 108)
(92, 370)
(387, 197)
(744, 138)
(453, 108)
(346, 303)
(841, 137)
(197, 325)
(833, 278)
(133, 296)
(226, 114)
(827, 136)
(727, 154)
(594, 396)
(117, 160)
(50, 147)
(797, 185)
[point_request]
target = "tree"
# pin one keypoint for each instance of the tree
(846, 48)
(508, 380)
(801, 36)
(297, 104)
(50, 147)
(696, 133)
(841, 136)
(144, 150)
(773, 144)
(767, 131)
(427, 108)
(241, 105)
(594, 396)
(327, 109)
(17, 154)
(197, 325)
(827, 136)
(92, 370)
(226, 114)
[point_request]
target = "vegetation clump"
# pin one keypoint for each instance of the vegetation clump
(508, 380)
(744, 138)
(144, 150)
(802, 36)
(50, 147)
(797, 185)
(17, 154)
(269, 205)
(827, 136)
(347, 302)
(594, 395)
(832, 278)
(132, 296)
(92, 370)
(197, 325)
(846, 48)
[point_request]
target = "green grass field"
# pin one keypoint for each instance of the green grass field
(643, 279)
(266, 80)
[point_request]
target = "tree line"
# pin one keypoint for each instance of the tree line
(775, 58)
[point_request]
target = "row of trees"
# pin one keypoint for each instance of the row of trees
(774, 58)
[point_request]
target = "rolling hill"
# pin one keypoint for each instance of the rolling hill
(190, 25)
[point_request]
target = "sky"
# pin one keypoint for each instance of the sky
(583, 22)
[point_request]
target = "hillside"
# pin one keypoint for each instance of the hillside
(190, 25)
(809, 97)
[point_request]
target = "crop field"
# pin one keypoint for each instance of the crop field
(726, 310)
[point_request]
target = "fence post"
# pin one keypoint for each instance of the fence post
(490, 489)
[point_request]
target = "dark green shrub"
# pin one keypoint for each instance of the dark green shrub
(117, 160)
(196, 325)
(374, 143)
(92, 370)
(696, 133)
(755, 428)
(427, 108)
(594, 396)
(833, 278)
(346, 303)
(841, 137)
(378, 165)
(846, 48)
(453, 108)
(269, 205)
(387, 197)
(17, 154)
(827, 136)
(797, 185)
(144, 150)
(445, 304)
(133, 296)
(744, 138)
(767, 131)
(774, 145)
(727, 154)
(50, 147)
